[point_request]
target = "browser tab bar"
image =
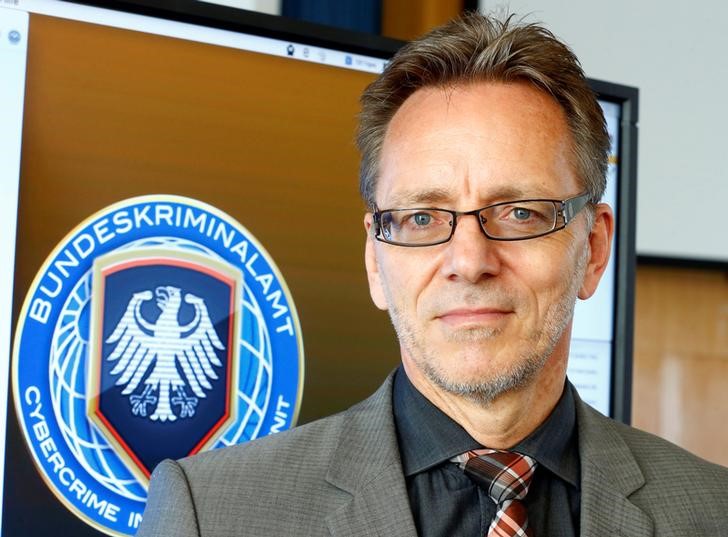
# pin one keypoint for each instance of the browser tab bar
(202, 34)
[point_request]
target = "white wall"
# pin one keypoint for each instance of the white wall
(677, 55)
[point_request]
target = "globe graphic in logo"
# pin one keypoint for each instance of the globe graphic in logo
(68, 383)
(158, 328)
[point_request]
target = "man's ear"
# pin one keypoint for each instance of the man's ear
(370, 259)
(600, 247)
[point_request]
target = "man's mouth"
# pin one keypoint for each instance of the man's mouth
(475, 316)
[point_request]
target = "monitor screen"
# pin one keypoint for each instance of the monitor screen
(178, 189)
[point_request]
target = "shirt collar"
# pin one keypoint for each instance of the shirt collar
(428, 437)
(554, 443)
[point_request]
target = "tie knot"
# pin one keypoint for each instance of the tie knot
(506, 475)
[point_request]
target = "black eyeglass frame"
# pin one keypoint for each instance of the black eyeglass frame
(566, 209)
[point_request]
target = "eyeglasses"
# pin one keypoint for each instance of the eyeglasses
(506, 221)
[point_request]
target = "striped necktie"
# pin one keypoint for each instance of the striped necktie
(506, 476)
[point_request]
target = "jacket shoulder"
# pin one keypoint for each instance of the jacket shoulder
(274, 485)
(288, 483)
(681, 493)
(313, 442)
(659, 459)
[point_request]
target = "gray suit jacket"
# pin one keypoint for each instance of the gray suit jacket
(341, 476)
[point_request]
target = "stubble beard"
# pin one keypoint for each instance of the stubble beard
(521, 372)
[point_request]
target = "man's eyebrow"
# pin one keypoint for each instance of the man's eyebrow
(508, 193)
(442, 196)
(421, 198)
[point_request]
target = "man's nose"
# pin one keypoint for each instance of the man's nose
(470, 254)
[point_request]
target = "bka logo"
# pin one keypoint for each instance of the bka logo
(162, 348)
(157, 329)
(166, 345)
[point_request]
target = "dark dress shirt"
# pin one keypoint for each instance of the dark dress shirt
(444, 500)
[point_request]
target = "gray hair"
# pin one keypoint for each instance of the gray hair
(477, 48)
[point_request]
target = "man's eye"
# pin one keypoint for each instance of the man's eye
(422, 219)
(521, 213)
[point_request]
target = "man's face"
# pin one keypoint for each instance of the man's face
(474, 316)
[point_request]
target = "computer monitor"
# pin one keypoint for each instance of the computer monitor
(197, 134)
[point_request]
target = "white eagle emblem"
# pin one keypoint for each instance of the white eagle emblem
(141, 345)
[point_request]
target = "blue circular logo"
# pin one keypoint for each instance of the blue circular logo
(158, 328)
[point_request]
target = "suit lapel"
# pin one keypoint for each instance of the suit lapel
(609, 475)
(366, 464)
(380, 508)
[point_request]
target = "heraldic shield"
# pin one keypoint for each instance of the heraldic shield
(163, 353)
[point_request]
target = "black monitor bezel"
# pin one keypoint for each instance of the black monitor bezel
(625, 233)
(253, 22)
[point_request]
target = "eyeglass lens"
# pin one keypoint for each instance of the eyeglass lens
(512, 220)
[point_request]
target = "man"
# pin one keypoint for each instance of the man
(483, 162)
